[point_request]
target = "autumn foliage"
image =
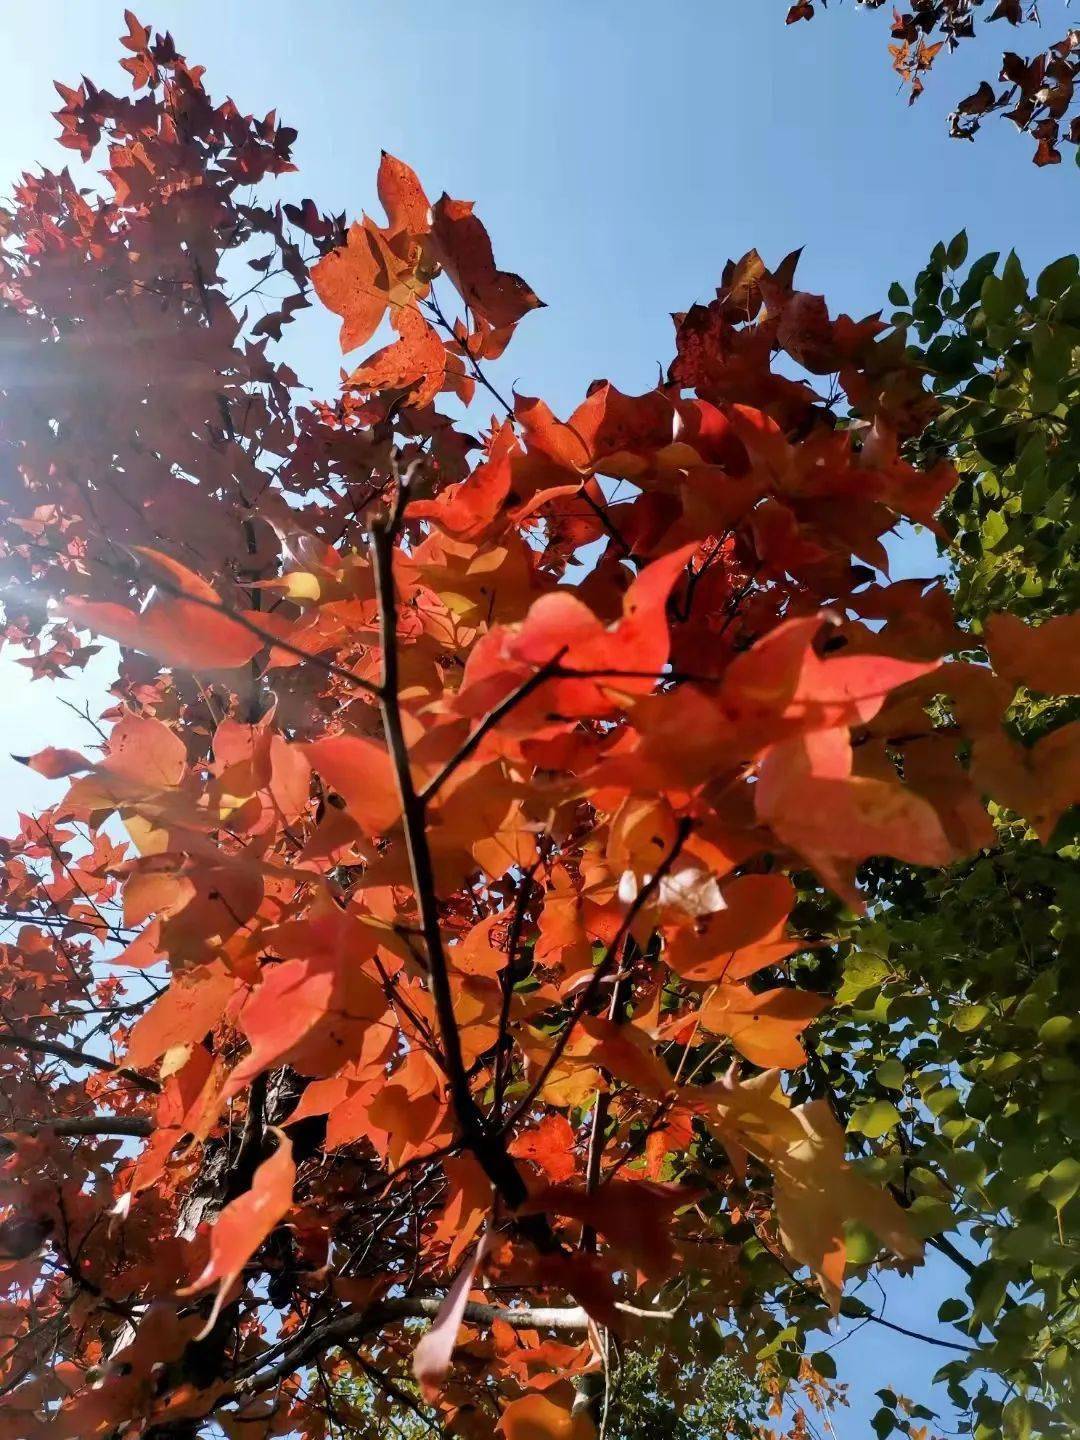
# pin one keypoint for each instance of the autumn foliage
(1036, 92)
(418, 942)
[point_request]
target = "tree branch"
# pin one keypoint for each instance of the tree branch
(73, 1056)
(484, 1142)
(137, 1125)
(493, 718)
(571, 1319)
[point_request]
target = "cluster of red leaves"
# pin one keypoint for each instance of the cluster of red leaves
(1037, 94)
(424, 919)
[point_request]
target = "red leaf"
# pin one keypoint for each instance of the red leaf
(463, 248)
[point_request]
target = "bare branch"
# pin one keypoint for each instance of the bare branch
(137, 1125)
(74, 1056)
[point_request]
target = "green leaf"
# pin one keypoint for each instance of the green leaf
(1058, 1030)
(883, 1423)
(898, 295)
(1058, 276)
(1016, 1419)
(861, 1244)
(957, 252)
(1062, 1183)
(874, 1119)
(994, 529)
(929, 1216)
(939, 1101)
(891, 1074)
(970, 1017)
(863, 971)
(1014, 280)
(824, 1364)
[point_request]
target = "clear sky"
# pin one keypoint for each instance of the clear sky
(619, 152)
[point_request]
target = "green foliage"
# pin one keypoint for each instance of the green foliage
(364, 1410)
(954, 1051)
(660, 1397)
(1003, 354)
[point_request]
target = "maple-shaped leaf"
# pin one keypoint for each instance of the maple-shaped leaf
(314, 1007)
(549, 1145)
(378, 269)
(368, 275)
(818, 1192)
(144, 756)
(635, 1216)
(192, 1005)
(415, 364)
(1039, 782)
(743, 937)
(463, 248)
(465, 510)
(765, 1027)
(145, 749)
(806, 791)
(783, 680)
(560, 629)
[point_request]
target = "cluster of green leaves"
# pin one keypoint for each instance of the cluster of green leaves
(1004, 357)
(660, 1396)
(954, 1052)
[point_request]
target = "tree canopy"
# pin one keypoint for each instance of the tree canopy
(542, 907)
(1036, 92)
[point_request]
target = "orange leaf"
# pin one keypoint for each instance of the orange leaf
(727, 945)
(416, 363)
(192, 1005)
(1042, 657)
(54, 764)
(807, 793)
(372, 271)
(402, 196)
(246, 1222)
(362, 773)
(178, 632)
(146, 750)
(535, 1417)
(313, 1009)
(550, 1145)
(431, 1359)
(764, 1027)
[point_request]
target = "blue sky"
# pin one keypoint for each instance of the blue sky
(618, 152)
